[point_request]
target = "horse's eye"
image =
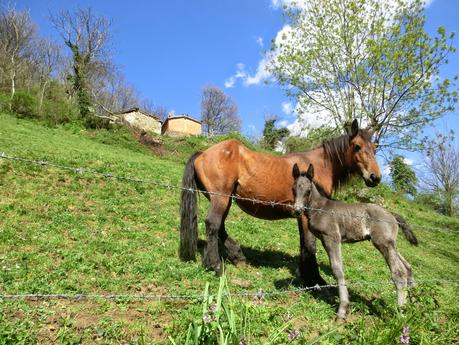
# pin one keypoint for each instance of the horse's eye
(357, 148)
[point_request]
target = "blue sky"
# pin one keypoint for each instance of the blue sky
(170, 49)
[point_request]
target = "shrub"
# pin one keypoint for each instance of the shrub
(4, 102)
(25, 105)
(56, 112)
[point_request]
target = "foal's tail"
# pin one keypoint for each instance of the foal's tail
(409, 235)
(189, 212)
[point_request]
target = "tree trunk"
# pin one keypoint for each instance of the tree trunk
(13, 82)
(42, 95)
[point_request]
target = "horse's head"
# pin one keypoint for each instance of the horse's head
(302, 189)
(361, 155)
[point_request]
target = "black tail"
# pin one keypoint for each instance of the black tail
(189, 212)
(409, 235)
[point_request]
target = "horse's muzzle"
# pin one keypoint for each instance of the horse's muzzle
(373, 180)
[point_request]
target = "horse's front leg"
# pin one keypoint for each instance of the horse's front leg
(233, 249)
(215, 218)
(308, 267)
(332, 245)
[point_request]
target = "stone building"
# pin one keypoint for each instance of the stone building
(141, 120)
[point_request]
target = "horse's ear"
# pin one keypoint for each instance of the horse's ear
(354, 128)
(310, 172)
(296, 171)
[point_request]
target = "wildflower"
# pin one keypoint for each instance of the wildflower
(405, 337)
(206, 318)
(242, 341)
(293, 334)
(213, 308)
(259, 297)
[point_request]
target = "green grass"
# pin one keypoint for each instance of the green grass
(62, 232)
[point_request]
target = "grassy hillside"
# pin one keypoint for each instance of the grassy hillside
(64, 232)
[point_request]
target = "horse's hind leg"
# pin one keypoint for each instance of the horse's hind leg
(399, 273)
(215, 217)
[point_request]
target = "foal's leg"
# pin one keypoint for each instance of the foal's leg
(397, 268)
(309, 269)
(217, 209)
(233, 248)
(409, 271)
(332, 245)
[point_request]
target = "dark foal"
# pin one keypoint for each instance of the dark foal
(334, 222)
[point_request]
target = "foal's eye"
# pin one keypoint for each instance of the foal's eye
(357, 148)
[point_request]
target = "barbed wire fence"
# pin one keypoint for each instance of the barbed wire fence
(259, 294)
(109, 175)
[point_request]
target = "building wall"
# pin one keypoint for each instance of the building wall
(143, 122)
(182, 126)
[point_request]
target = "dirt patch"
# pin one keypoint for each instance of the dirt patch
(98, 322)
(154, 144)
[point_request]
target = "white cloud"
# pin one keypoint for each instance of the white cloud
(257, 78)
(408, 161)
(259, 41)
(229, 83)
(282, 123)
(260, 75)
(276, 4)
(287, 108)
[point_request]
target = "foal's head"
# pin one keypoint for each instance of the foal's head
(302, 188)
(361, 155)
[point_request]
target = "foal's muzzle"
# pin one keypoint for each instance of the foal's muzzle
(297, 212)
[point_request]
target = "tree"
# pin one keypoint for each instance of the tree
(17, 33)
(87, 36)
(403, 176)
(442, 163)
(271, 134)
(47, 57)
(158, 110)
(365, 59)
(219, 113)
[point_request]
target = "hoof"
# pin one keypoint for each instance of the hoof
(340, 318)
(236, 257)
(309, 283)
(214, 266)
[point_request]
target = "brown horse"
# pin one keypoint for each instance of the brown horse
(229, 168)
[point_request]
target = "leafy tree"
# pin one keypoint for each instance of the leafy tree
(219, 113)
(403, 176)
(442, 163)
(271, 134)
(314, 138)
(365, 59)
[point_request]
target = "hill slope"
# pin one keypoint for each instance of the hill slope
(66, 232)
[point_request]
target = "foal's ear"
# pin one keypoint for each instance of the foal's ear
(354, 130)
(310, 172)
(296, 171)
